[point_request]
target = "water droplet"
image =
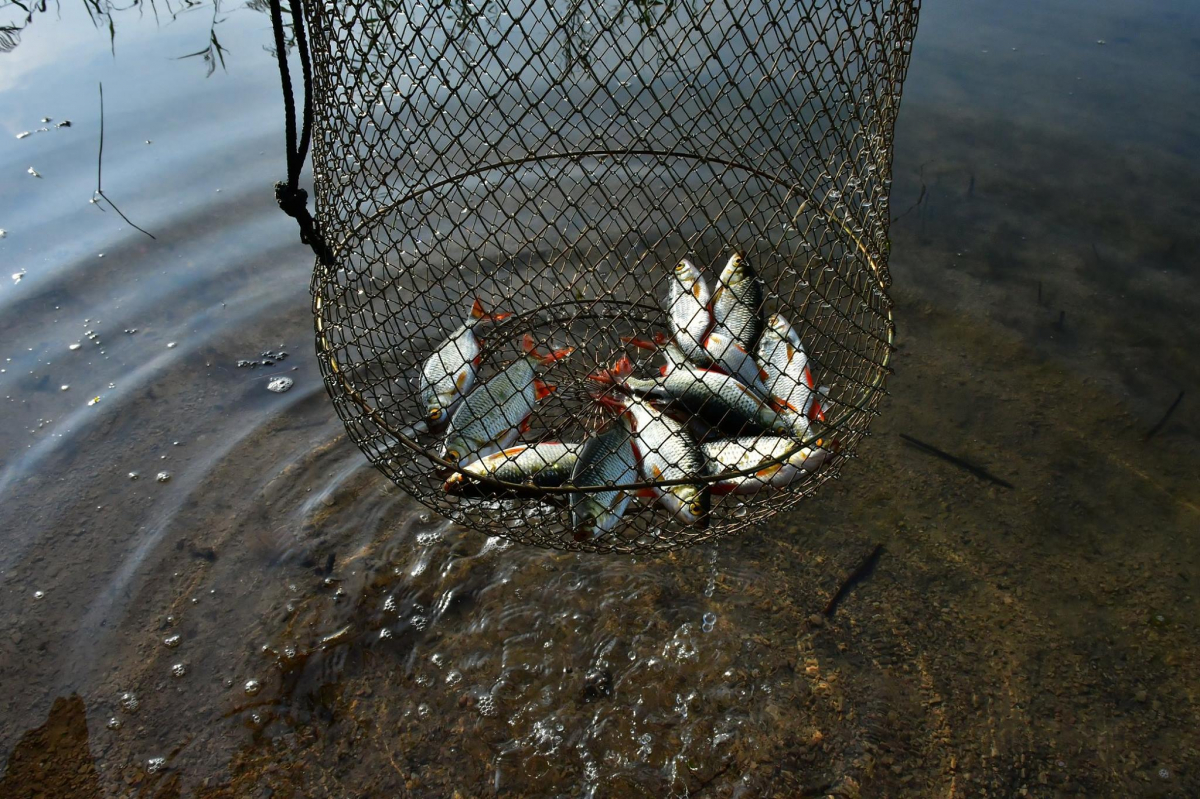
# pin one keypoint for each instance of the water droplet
(709, 621)
(34, 172)
(39, 594)
(75, 346)
(63, 387)
(178, 670)
(162, 477)
(134, 475)
(171, 345)
(114, 723)
(172, 641)
(252, 687)
(155, 765)
(280, 384)
(93, 401)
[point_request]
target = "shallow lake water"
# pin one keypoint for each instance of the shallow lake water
(205, 590)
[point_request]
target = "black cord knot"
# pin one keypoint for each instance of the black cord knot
(292, 200)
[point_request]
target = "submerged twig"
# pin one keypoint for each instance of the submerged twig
(858, 574)
(1153, 430)
(978, 471)
(100, 173)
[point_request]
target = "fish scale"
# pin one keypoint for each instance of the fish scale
(669, 452)
(544, 464)
(605, 459)
(449, 373)
(786, 364)
(719, 399)
(738, 303)
(491, 415)
(746, 452)
(688, 300)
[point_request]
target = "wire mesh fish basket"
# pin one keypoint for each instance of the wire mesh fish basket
(605, 275)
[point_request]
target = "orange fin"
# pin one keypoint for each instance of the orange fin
(783, 405)
(477, 312)
(531, 350)
(524, 426)
(640, 343)
(542, 390)
(646, 493)
(808, 378)
(623, 367)
(604, 376)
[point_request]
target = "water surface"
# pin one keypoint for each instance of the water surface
(275, 616)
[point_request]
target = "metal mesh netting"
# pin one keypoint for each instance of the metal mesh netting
(607, 276)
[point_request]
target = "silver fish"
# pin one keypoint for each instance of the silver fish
(691, 317)
(733, 358)
(449, 373)
(667, 451)
(789, 376)
(738, 303)
(606, 459)
(536, 465)
(493, 415)
(720, 399)
(747, 452)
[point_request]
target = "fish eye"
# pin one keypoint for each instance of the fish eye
(435, 414)
(696, 508)
(452, 456)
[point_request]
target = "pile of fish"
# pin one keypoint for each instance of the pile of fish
(732, 410)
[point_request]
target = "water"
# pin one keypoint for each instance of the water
(335, 638)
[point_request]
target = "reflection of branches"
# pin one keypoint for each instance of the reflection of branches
(20, 14)
(214, 51)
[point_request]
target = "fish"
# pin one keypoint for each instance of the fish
(733, 358)
(449, 373)
(720, 399)
(737, 454)
(737, 304)
(667, 451)
(548, 463)
(690, 312)
(789, 376)
(492, 416)
(606, 459)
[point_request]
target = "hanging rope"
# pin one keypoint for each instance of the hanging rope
(292, 199)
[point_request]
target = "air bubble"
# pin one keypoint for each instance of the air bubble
(172, 641)
(162, 477)
(252, 687)
(178, 670)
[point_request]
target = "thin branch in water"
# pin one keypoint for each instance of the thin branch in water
(1154, 430)
(100, 174)
(858, 574)
(978, 471)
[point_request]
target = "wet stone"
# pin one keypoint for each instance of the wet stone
(280, 384)
(597, 683)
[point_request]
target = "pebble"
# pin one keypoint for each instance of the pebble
(280, 384)
(252, 687)
(163, 477)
